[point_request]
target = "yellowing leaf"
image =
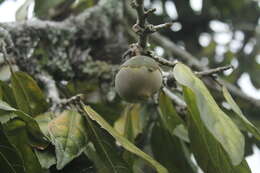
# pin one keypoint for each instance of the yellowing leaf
(128, 125)
(67, 133)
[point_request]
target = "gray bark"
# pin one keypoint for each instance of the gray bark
(78, 47)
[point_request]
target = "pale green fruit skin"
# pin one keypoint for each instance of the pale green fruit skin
(138, 79)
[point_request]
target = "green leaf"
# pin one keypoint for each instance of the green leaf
(37, 137)
(10, 160)
(81, 5)
(46, 158)
(42, 8)
(67, 133)
(6, 116)
(6, 107)
(48, 8)
(43, 121)
(242, 119)
(128, 125)
(214, 119)
(123, 141)
(22, 12)
(170, 119)
(7, 95)
(28, 95)
(172, 154)
(103, 151)
(209, 153)
(16, 133)
(93, 155)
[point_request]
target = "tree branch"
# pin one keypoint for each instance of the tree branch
(142, 27)
(193, 62)
(214, 71)
(59, 48)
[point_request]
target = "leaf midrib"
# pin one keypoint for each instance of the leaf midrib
(101, 145)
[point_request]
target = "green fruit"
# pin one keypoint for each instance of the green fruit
(138, 79)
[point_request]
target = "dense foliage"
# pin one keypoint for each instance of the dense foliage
(59, 111)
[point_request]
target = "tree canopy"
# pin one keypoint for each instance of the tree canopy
(60, 110)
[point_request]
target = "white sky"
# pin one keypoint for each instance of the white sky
(9, 7)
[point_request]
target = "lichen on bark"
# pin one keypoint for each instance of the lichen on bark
(70, 48)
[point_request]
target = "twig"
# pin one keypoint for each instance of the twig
(193, 61)
(142, 27)
(177, 100)
(213, 71)
(164, 61)
(152, 29)
(149, 11)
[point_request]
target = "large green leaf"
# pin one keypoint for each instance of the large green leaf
(6, 94)
(170, 119)
(17, 134)
(67, 133)
(123, 141)
(36, 136)
(172, 154)
(28, 95)
(214, 119)
(10, 160)
(209, 153)
(105, 153)
(247, 124)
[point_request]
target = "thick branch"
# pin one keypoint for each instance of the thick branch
(67, 49)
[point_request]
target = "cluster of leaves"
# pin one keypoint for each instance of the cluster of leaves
(36, 140)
